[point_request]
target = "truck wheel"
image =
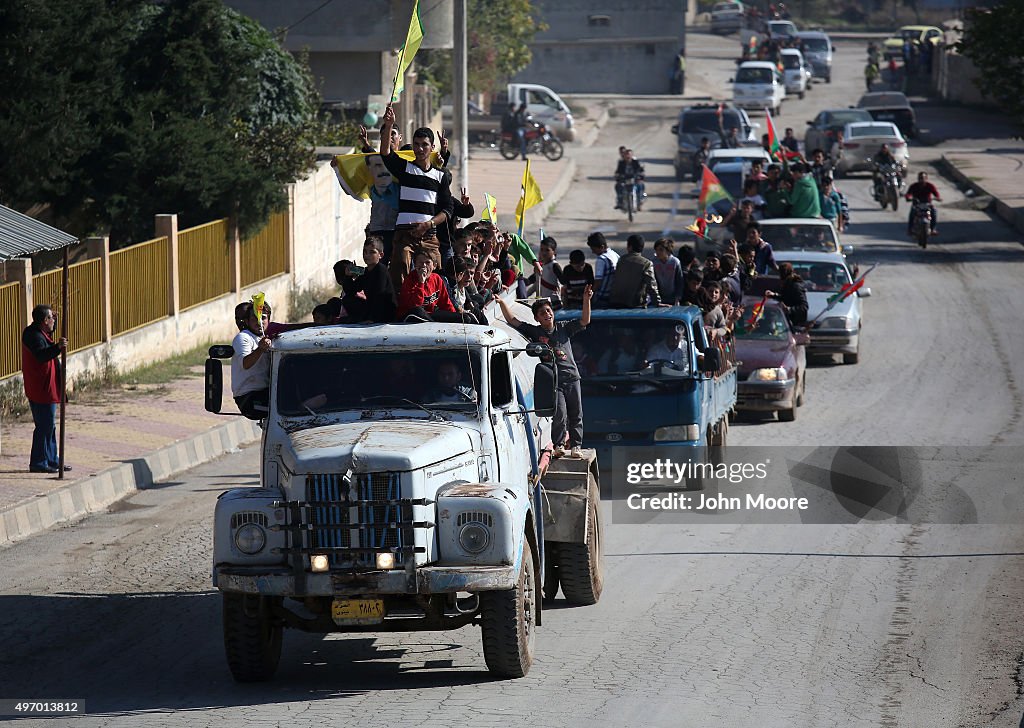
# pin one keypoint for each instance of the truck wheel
(550, 571)
(580, 567)
(252, 637)
(508, 622)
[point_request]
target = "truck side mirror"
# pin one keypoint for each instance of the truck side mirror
(222, 351)
(711, 362)
(675, 128)
(535, 348)
(214, 385)
(545, 382)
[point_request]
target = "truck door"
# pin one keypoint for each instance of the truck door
(509, 422)
(700, 340)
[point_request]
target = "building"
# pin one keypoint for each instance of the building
(602, 46)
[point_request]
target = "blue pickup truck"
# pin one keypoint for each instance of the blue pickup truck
(651, 377)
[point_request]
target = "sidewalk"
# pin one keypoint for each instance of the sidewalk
(994, 173)
(124, 440)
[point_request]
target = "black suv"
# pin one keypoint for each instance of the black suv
(700, 121)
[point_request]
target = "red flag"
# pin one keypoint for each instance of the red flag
(711, 191)
(774, 148)
(755, 314)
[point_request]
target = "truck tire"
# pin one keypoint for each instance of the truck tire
(508, 622)
(580, 567)
(252, 637)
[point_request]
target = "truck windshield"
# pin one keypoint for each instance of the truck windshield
(334, 381)
(636, 349)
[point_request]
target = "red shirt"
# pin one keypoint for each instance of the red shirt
(922, 192)
(40, 368)
(431, 295)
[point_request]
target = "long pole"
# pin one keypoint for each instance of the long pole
(460, 101)
(63, 362)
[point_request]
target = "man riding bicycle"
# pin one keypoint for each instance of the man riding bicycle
(922, 192)
(628, 167)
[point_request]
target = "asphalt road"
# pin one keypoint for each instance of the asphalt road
(710, 625)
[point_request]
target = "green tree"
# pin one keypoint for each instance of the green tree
(992, 40)
(116, 110)
(498, 34)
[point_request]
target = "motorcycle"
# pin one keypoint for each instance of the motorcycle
(629, 197)
(922, 226)
(538, 141)
(888, 186)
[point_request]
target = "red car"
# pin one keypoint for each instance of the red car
(772, 362)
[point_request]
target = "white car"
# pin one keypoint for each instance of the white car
(863, 139)
(741, 154)
(837, 331)
(758, 85)
(796, 73)
(727, 17)
(803, 233)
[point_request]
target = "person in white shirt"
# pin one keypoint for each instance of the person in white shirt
(250, 364)
(671, 349)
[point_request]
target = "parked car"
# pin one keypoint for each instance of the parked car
(893, 47)
(758, 85)
(743, 154)
(802, 233)
(782, 29)
(727, 17)
(862, 139)
(838, 331)
(891, 106)
(772, 362)
(702, 120)
(818, 50)
(821, 131)
(795, 72)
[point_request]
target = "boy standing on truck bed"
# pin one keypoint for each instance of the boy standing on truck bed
(568, 399)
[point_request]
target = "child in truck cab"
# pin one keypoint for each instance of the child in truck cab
(569, 398)
(250, 364)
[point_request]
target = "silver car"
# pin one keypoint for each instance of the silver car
(836, 331)
(818, 50)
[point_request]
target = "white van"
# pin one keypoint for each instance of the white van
(795, 72)
(758, 85)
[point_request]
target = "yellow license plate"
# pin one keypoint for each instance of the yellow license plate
(357, 611)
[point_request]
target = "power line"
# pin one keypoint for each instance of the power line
(305, 17)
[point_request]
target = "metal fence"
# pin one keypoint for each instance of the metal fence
(204, 263)
(85, 301)
(265, 254)
(139, 285)
(11, 324)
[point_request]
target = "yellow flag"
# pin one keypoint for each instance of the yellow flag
(491, 208)
(529, 195)
(356, 176)
(409, 48)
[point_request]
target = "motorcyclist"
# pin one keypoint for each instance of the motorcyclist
(923, 192)
(629, 166)
(524, 121)
(883, 159)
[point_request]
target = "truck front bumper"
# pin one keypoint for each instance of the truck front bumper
(423, 580)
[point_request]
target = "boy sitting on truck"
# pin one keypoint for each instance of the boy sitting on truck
(250, 364)
(424, 296)
(569, 399)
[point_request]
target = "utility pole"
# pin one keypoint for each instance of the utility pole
(460, 100)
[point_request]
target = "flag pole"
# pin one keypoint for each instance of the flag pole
(63, 363)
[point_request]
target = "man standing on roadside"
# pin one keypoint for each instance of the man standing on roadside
(41, 374)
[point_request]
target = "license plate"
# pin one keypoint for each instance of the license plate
(357, 611)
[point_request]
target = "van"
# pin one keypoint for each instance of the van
(758, 85)
(817, 50)
(727, 17)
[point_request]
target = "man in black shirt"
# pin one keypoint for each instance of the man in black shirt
(375, 283)
(569, 398)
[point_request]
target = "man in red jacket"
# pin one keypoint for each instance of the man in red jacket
(41, 373)
(424, 296)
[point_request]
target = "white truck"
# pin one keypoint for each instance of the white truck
(405, 484)
(544, 105)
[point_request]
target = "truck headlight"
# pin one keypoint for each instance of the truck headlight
(677, 433)
(474, 537)
(250, 539)
(774, 374)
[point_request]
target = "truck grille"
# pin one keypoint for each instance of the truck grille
(368, 511)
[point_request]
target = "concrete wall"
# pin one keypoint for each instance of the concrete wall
(955, 78)
(631, 43)
(348, 78)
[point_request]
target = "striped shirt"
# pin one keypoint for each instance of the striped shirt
(423, 193)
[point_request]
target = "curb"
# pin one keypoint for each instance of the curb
(97, 492)
(1011, 216)
(595, 130)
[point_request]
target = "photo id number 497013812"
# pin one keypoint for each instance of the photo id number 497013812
(10, 708)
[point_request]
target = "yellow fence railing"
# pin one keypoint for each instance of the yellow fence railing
(12, 302)
(139, 284)
(204, 263)
(85, 301)
(265, 254)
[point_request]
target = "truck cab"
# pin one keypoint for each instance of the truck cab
(401, 475)
(545, 106)
(652, 377)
